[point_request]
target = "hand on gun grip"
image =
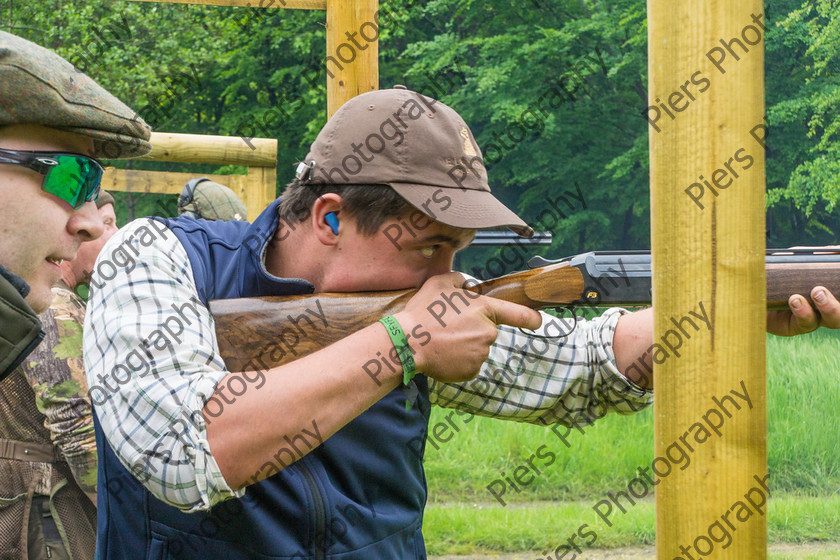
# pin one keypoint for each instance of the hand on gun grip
(803, 316)
(461, 326)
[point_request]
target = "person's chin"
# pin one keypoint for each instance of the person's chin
(39, 299)
(40, 289)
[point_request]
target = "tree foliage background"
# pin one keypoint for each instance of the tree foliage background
(214, 70)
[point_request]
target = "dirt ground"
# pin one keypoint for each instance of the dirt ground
(647, 553)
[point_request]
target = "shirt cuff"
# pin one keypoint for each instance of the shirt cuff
(620, 393)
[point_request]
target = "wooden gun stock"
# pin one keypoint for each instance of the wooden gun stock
(260, 333)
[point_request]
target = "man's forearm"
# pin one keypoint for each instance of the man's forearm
(634, 331)
(547, 379)
(329, 388)
(317, 394)
(633, 339)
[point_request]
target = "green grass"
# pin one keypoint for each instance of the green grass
(827, 555)
(467, 528)
(803, 457)
(803, 399)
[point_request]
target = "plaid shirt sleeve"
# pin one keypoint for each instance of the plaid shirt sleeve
(152, 361)
(572, 381)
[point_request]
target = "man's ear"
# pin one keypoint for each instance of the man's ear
(321, 225)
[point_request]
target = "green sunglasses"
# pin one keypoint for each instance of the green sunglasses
(71, 177)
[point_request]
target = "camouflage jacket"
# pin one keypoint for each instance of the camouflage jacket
(45, 403)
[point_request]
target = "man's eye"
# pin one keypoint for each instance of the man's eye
(429, 252)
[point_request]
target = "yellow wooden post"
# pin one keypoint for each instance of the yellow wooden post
(260, 190)
(205, 148)
(354, 66)
(706, 96)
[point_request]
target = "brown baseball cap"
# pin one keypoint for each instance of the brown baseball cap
(420, 147)
(39, 87)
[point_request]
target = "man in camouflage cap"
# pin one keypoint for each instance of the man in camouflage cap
(46, 107)
(202, 198)
(54, 123)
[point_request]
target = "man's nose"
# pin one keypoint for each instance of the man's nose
(85, 223)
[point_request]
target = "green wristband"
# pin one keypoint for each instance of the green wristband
(400, 342)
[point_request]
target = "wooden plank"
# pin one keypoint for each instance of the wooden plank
(710, 261)
(352, 62)
(288, 4)
(161, 182)
(217, 150)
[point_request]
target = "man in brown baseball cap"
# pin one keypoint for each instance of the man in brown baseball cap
(54, 122)
(322, 457)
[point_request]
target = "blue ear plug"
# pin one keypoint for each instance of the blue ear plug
(332, 221)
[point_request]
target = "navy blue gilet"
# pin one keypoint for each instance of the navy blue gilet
(358, 496)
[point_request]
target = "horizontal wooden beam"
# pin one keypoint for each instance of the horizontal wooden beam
(160, 182)
(216, 150)
(288, 4)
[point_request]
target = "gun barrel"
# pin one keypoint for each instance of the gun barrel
(623, 278)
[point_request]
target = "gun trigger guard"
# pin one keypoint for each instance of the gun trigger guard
(571, 310)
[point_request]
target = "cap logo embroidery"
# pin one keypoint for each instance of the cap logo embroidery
(468, 146)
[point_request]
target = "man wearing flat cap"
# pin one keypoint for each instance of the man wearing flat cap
(322, 457)
(54, 124)
(48, 108)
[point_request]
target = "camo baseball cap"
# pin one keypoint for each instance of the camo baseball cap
(420, 147)
(39, 87)
(202, 198)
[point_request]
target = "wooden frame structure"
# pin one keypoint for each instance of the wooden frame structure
(257, 187)
(715, 257)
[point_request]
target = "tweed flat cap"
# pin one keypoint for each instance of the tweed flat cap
(39, 87)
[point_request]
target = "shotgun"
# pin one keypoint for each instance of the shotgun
(260, 333)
